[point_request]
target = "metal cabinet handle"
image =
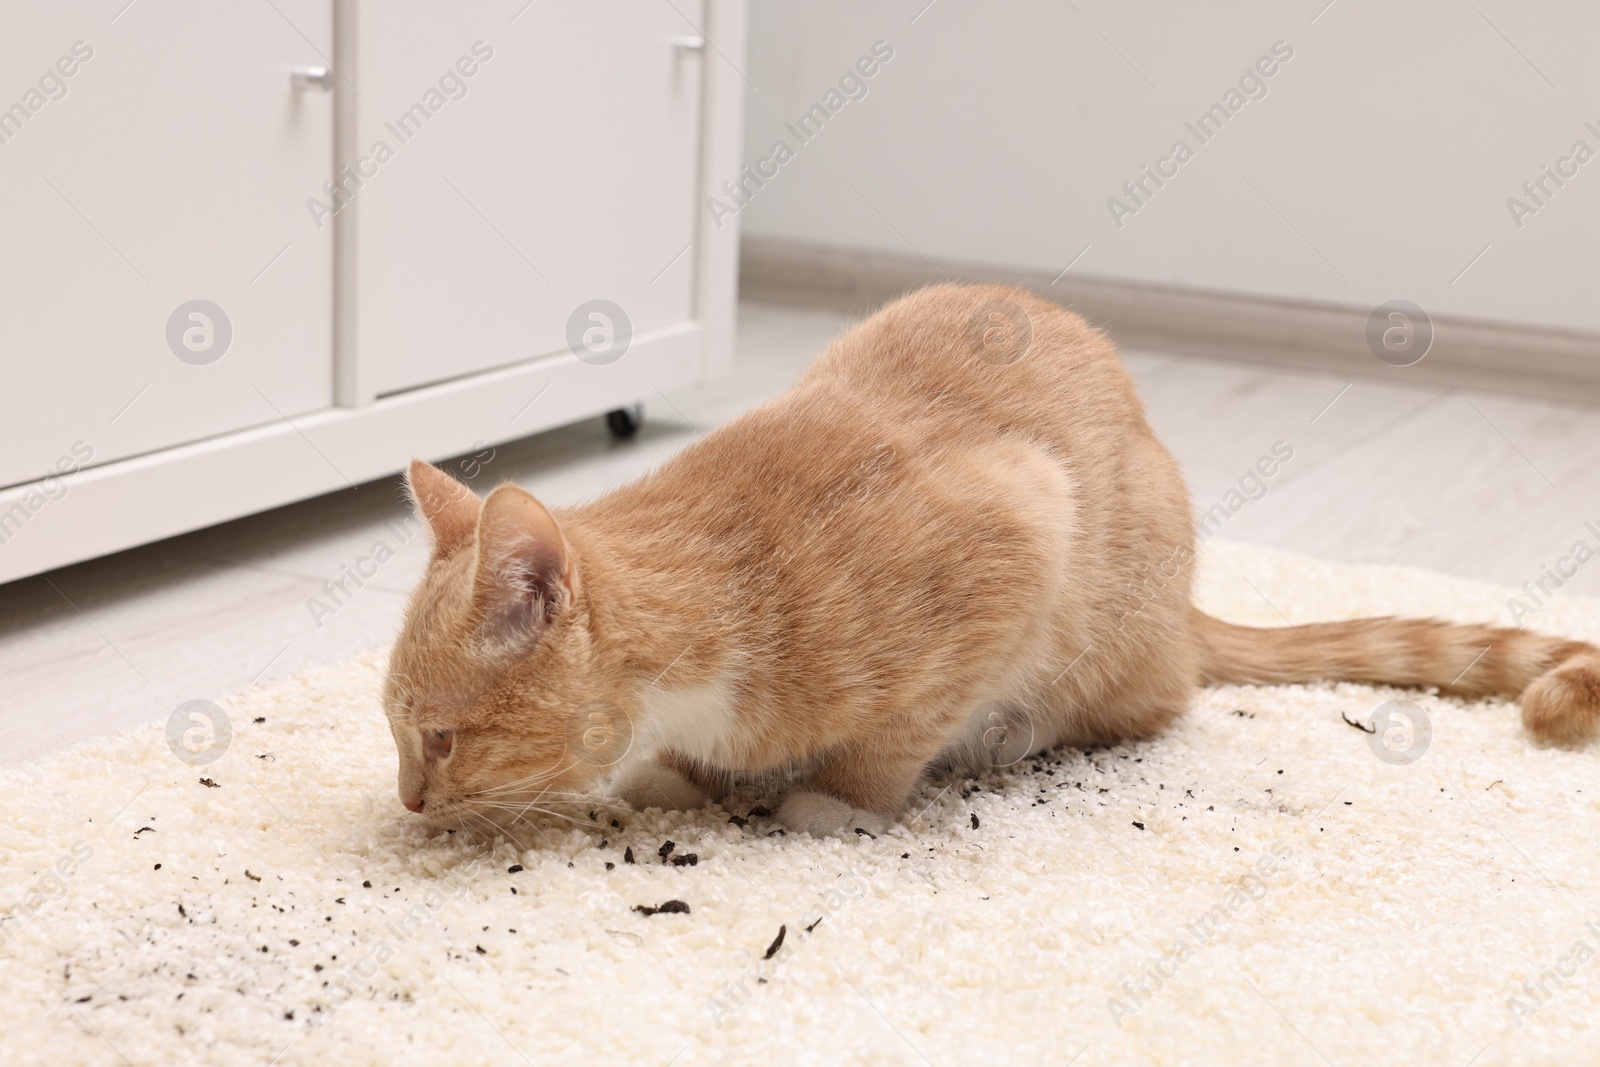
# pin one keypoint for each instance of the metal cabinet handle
(689, 43)
(304, 78)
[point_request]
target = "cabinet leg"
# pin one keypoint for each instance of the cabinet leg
(625, 422)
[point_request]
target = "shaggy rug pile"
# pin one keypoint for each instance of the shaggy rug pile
(1268, 883)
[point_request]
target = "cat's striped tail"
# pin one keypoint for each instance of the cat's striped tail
(1557, 680)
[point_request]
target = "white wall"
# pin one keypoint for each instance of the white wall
(1391, 141)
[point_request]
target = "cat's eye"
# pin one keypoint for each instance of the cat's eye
(436, 744)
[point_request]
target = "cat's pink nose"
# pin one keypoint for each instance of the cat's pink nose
(413, 805)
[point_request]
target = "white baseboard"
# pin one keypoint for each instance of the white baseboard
(1549, 364)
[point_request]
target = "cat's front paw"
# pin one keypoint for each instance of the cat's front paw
(807, 811)
(648, 784)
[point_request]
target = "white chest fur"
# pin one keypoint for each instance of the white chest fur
(698, 722)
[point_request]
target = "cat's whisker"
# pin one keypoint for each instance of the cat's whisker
(503, 790)
(484, 825)
(518, 785)
(595, 799)
(509, 830)
(519, 805)
(579, 801)
(481, 825)
(579, 796)
(522, 809)
(521, 818)
(525, 782)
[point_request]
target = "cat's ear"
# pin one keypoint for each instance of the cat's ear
(525, 573)
(449, 508)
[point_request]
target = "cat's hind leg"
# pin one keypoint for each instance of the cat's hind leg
(857, 786)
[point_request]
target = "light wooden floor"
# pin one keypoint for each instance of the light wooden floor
(1474, 485)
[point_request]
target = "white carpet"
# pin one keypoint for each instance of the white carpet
(997, 926)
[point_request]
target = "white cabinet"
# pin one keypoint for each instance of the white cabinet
(146, 163)
(536, 165)
(402, 259)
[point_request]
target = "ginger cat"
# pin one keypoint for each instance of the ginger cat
(954, 540)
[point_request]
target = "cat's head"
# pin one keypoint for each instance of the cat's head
(492, 693)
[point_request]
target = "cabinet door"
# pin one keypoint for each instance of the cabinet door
(155, 155)
(562, 169)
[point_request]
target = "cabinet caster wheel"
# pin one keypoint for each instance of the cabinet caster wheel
(625, 422)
